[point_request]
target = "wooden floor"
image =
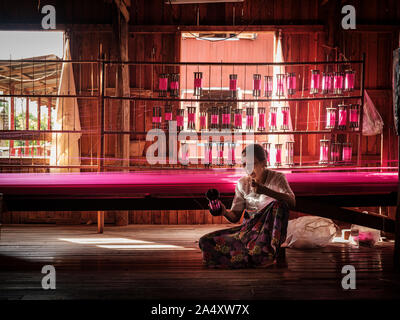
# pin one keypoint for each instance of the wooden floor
(161, 262)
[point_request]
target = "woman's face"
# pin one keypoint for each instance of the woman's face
(254, 169)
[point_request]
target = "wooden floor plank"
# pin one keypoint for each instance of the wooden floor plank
(87, 270)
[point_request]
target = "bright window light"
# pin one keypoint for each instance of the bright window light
(103, 240)
(144, 247)
(124, 244)
(28, 44)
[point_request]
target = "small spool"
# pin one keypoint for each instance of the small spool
(212, 196)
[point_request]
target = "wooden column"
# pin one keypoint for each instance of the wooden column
(38, 113)
(1, 210)
(27, 127)
(100, 142)
(100, 221)
(38, 147)
(396, 255)
(12, 124)
(122, 112)
(48, 122)
(49, 114)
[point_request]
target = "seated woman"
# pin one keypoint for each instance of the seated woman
(265, 197)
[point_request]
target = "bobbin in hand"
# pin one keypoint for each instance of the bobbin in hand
(257, 188)
(214, 204)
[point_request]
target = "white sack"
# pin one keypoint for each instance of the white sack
(310, 232)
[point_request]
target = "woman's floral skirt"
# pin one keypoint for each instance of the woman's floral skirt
(256, 242)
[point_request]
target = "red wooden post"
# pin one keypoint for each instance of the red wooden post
(100, 221)
(49, 114)
(396, 254)
(38, 113)
(27, 127)
(37, 143)
(12, 125)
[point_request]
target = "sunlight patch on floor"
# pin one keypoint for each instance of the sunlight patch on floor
(124, 244)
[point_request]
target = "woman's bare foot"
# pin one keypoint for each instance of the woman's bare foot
(280, 261)
(266, 265)
(280, 264)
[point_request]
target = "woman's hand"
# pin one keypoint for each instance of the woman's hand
(261, 189)
(216, 207)
(258, 188)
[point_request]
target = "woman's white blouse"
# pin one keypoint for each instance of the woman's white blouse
(245, 198)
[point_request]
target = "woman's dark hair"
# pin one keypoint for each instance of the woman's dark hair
(259, 152)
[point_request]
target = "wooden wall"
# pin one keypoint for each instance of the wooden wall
(259, 50)
(378, 46)
(154, 36)
(135, 217)
(25, 14)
